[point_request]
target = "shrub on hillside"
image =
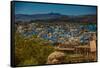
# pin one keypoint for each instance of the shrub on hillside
(31, 51)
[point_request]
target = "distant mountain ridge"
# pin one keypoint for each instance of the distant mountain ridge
(23, 17)
(53, 16)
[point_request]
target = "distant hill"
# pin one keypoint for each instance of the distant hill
(23, 17)
(55, 17)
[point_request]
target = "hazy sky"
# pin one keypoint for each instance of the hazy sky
(39, 8)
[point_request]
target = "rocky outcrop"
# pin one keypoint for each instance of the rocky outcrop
(56, 57)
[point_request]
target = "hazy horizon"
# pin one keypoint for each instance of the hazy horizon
(41, 8)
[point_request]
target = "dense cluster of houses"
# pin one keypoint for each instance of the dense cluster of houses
(58, 33)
